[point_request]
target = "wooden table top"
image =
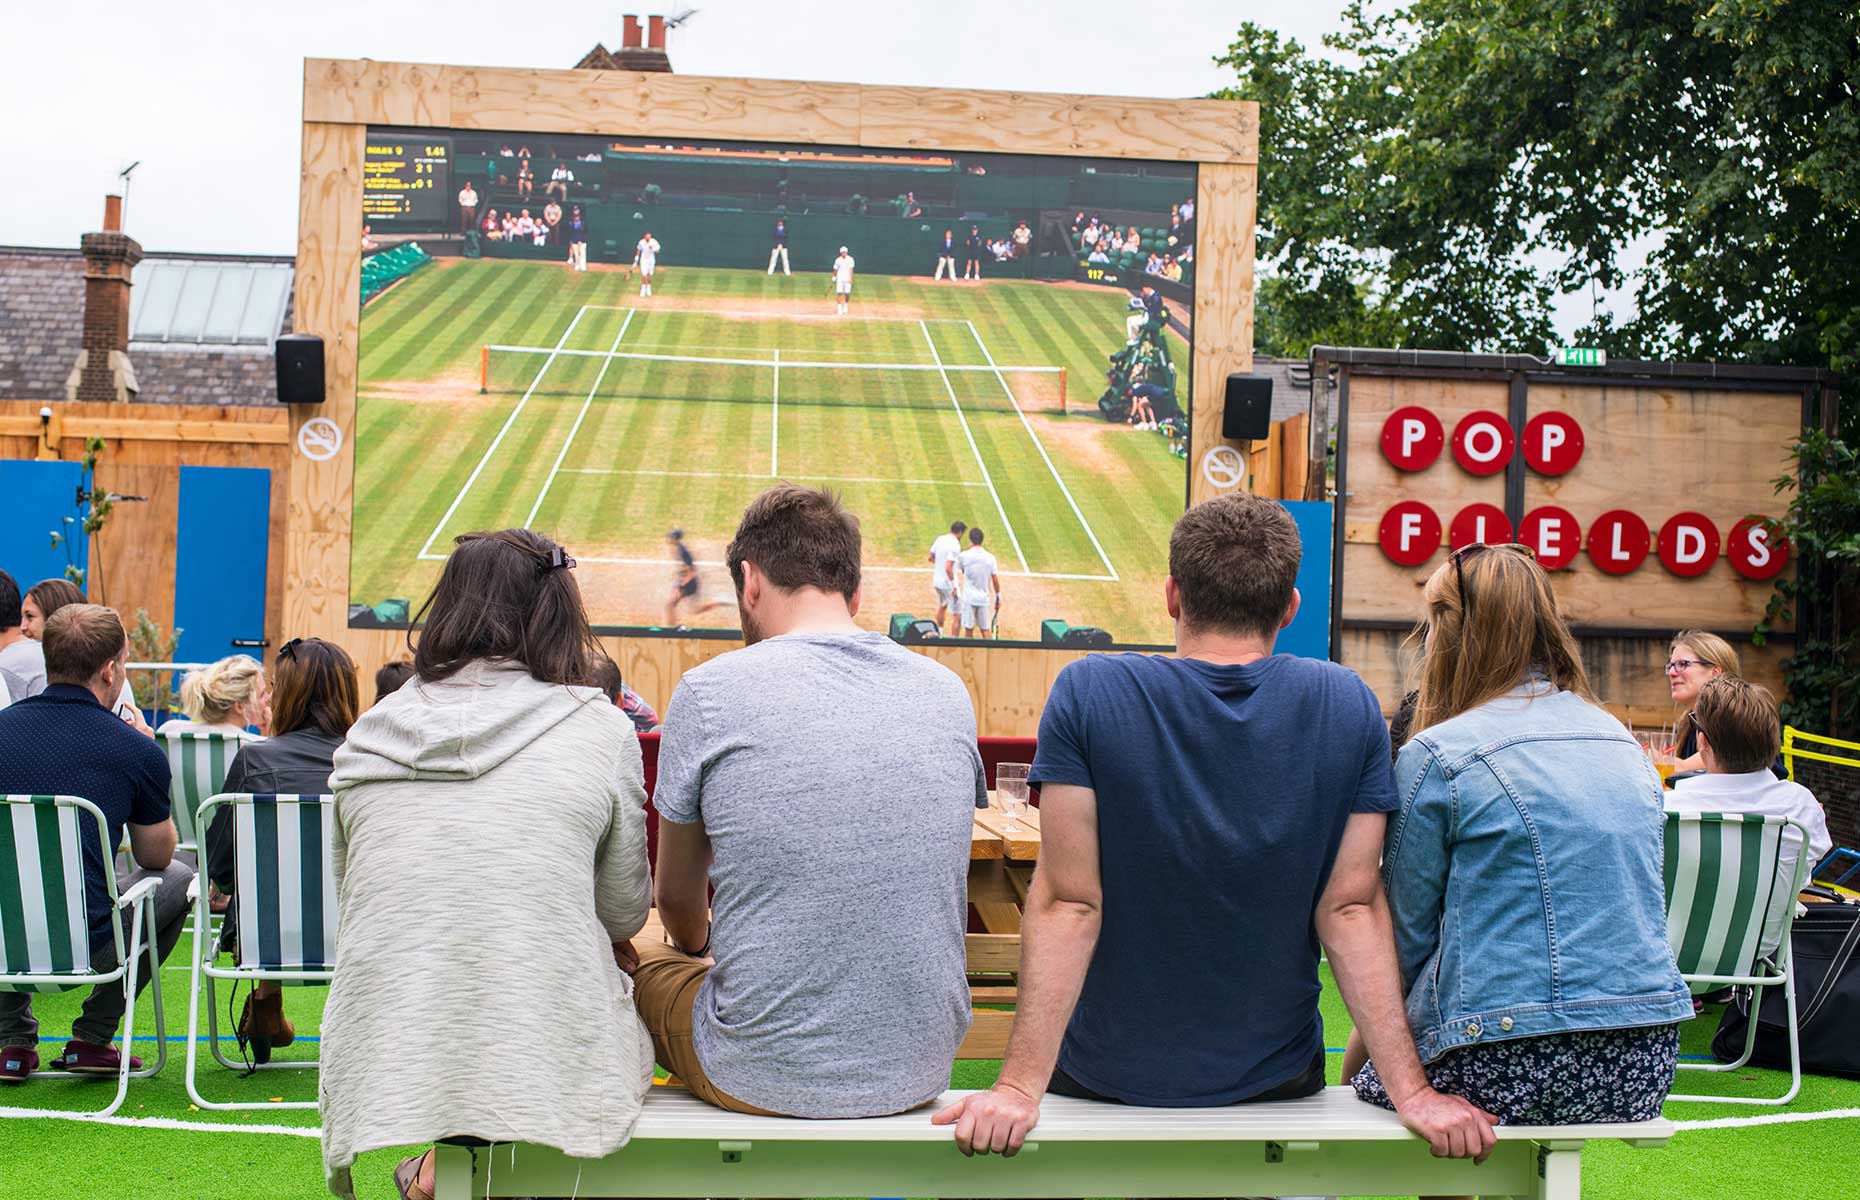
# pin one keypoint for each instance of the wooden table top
(993, 839)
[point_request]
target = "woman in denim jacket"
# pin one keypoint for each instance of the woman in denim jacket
(1524, 868)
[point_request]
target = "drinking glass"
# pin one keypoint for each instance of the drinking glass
(1011, 787)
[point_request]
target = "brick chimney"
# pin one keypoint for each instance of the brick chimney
(102, 370)
(648, 57)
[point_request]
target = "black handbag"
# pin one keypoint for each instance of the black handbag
(1824, 945)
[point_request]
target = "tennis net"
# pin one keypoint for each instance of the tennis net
(765, 377)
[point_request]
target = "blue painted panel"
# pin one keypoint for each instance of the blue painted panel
(1309, 632)
(38, 498)
(221, 547)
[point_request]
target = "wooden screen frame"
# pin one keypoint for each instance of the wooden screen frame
(342, 98)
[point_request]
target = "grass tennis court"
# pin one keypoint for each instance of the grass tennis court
(157, 1149)
(496, 393)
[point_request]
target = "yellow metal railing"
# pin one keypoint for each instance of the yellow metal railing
(1791, 752)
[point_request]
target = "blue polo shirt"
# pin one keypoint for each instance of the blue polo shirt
(62, 742)
(1222, 795)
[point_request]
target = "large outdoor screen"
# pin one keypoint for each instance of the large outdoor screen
(998, 340)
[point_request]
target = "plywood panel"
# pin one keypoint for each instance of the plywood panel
(1657, 452)
(1624, 672)
(626, 102)
(1374, 586)
(328, 302)
(360, 92)
(1224, 211)
(1214, 131)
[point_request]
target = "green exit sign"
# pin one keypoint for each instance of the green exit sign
(1581, 356)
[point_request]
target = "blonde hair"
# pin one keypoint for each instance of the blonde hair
(1712, 650)
(1514, 630)
(1740, 723)
(210, 694)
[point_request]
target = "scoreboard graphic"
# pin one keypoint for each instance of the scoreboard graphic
(405, 183)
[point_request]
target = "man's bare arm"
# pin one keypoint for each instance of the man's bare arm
(1353, 923)
(152, 846)
(1059, 931)
(682, 884)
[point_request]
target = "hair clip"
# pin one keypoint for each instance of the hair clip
(558, 559)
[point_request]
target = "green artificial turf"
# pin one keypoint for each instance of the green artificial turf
(65, 1160)
(607, 454)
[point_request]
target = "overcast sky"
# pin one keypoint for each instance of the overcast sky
(208, 95)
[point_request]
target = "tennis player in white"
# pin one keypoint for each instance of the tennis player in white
(842, 282)
(944, 580)
(646, 257)
(981, 587)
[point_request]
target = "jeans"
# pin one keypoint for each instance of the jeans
(103, 1009)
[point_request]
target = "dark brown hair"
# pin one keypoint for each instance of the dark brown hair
(605, 675)
(1740, 723)
(505, 595)
(50, 595)
(314, 684)
(390, 676)
(1235, 560)
(79, 639)
(798, 537)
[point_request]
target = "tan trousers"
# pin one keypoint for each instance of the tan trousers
(665, 988)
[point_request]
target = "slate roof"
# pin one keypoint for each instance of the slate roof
(41, 331)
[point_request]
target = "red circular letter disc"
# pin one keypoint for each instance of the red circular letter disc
(1553, 534)
(1410, 533)
(1412, 438)
(1482, 442)
(1688, 544)
(1553, 443)
(1479, 523)
(1618, 542)
(1756, 549)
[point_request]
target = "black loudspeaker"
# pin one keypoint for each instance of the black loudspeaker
(1247, 415)
(300, 368)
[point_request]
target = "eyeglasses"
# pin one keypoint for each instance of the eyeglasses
(1678, 665)
(1469, 550)
(289, 649)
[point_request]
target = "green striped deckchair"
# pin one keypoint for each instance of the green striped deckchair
(44, 929)
(197, 766)
(1725, 876)
(285, 892)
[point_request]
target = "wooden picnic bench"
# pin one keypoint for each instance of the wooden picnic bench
(1327, 1144)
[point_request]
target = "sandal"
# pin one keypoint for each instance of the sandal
(407, 1178)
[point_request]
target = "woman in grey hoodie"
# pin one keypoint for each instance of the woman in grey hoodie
(490, 859)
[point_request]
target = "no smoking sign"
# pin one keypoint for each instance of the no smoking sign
(319, 439)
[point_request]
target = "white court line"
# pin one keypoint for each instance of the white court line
(529, 522)
(882, 568)
(791, 363)
(755, 475)
(775, 416)
(499, 439)
(1028, 426)
(1786, 1118)
(302, 1131)
(781, 316)
(948, 387)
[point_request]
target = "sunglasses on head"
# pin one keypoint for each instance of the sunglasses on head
(1472, 550)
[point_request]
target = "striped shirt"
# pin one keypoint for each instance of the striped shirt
(62, 742)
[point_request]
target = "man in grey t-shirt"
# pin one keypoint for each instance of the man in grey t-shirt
(823, 779)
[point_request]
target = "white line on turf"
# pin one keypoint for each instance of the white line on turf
(755, 475)
(780, 316)
(1794, 1118)
(986, 478)
(791, 363)
(529, 522)
(497, 441)
(1028, 426)
(168, 1123)
(775, 416)
(869, 568)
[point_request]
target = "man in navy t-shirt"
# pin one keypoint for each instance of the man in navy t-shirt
(67, 741)
(1207, 820)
